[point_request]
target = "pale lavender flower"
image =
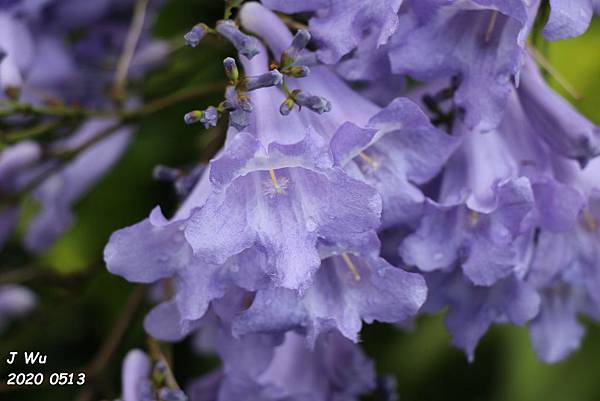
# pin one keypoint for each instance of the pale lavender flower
(564, 129)
(569, 18)
(498, 190)
(398, 150)
(339, 26)
(473, 309)
(346, 290)
(481, 42)
(255, 369)
(566, 270)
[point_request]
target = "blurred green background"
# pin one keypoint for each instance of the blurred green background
(80, 303)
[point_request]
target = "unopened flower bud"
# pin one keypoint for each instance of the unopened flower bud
(298, 71)
(286, 107)
(193, 116)
(314, 103)
(231, 70)
(195, 35)
(245, 44)
(268, 79)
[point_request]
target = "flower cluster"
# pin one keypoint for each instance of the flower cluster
(395, 157)
(278, 247)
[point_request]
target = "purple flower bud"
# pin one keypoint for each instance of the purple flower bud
(300, 40)
(245, 44)
(296, 55)
(231, 69)
(297, 71)
(193, 116)
(195, 35)
(134, 375)
(286, 107)
(208, 118)
(268, 79)
(315, 103)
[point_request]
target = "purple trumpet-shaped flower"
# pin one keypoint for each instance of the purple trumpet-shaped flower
(569, 18)
(156, 249)
(405, 148)
(564, 129)
(487, 246)
(283, 199)
(340, 26)
(482, 42)
(347, 290)
(271, 206)
(513, 151)
(473, 309)
(566, 270)
(398, 149)
(498, 189)
(255, 370)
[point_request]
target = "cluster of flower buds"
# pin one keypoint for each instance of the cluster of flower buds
(237, 103)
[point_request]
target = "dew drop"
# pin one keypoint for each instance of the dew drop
(311, 224)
